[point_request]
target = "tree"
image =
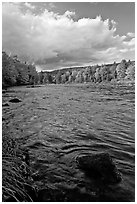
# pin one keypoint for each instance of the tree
(74, 74)
(9, 72)
(67, 75)
(121, 70)
(58, 77)
(104, 73)
(92, 73)
(97, 75)
(112, 72)
(63, 78)
(130, 72)
(129, 63)
(70, 78)
(86, 74)
(49, 78)
(15, 72)
(41, 77)
(79, 77)
(32, 74)
(23, 75)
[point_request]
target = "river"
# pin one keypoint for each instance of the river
(58, 123)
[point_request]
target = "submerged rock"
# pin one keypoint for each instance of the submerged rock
(15, 100)
(4, 91)
(5, 104)
(100, 167)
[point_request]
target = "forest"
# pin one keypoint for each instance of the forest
(16, 73)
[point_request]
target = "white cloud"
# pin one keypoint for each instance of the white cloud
(58, 40)
(28, 5)
(132, 35)
(69, 13)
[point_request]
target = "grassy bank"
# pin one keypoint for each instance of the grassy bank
(16, 180)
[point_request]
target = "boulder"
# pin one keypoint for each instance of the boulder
(100, 167)
(15, 100)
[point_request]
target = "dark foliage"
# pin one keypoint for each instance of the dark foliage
(15, 72)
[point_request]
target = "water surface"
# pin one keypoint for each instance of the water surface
(58, 123)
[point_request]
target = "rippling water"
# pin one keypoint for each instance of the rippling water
(60, 122)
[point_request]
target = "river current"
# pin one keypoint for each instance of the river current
(58, 123)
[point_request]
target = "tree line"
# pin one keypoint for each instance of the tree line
(110, 72)
(15, 73)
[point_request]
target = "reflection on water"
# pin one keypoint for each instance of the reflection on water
(60, 122)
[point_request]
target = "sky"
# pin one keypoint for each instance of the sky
(54, 35)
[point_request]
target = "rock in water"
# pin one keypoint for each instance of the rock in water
(5, 104)
(3, 91)
(101, 167)
(15, 100)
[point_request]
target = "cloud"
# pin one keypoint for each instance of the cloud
(52, 5)
(28, 5)
(132, 35)
(54, 40)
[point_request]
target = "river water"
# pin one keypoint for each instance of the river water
(58, 123)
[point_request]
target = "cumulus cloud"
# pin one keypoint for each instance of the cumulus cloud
(54, 40)
(132, 35)
(28, 5)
